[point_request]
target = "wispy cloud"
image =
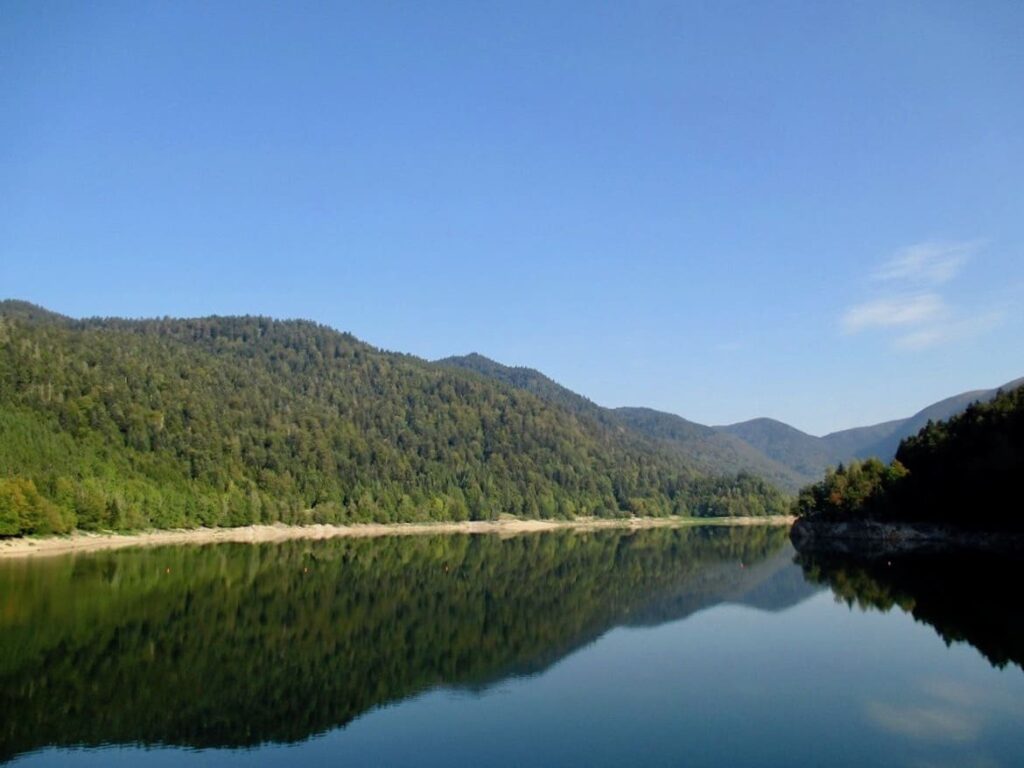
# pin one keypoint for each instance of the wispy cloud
(950, 330)
(931, 263)
(908, 303)
(893, 311)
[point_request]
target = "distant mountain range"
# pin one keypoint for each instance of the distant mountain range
(771, 449)
(809, 455)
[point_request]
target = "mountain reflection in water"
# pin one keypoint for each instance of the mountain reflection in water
(238, 645)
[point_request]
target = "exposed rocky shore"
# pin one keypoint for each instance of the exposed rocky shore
(872, 536)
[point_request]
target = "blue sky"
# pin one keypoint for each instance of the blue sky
(810, 211)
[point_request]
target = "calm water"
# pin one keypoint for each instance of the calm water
(694, 647)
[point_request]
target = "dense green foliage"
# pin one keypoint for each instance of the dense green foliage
(963, 595)
(851, 490)
(962, 471)
(231, 645)
(532, 381)
(122, 424)
(705, 449)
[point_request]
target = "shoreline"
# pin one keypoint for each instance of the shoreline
(872, 537)
(256, 534)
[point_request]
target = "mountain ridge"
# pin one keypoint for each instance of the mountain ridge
(769, 448)
(698, 444)
(109, 375)
(811, 455)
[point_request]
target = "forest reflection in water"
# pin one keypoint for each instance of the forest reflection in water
(966, 595)
(235, 645)
(256, 645)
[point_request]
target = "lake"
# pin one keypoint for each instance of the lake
(706, 646)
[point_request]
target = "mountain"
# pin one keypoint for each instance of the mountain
(529, 380)
(701, 447)
(882, 440)
(13, 309)
(802, 453)
(809, 456)
(705, 447)
(766, 448)
(111, 423)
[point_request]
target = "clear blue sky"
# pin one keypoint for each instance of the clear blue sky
(811, 211)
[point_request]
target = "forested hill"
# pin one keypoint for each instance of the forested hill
(109, 423)
(704, 448)
(530, 380)
(777, 452)
(963, 471)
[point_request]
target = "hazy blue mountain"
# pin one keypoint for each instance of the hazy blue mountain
(851, 443)
(706, 447)
(869, 442)
(809, 456)
(804, 454)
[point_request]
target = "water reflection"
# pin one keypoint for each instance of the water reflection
(236, 645)
(965, 596)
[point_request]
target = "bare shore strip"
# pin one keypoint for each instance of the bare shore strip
(875, 538)
(92, 542)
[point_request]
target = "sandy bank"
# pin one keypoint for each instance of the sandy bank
(91, 542)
